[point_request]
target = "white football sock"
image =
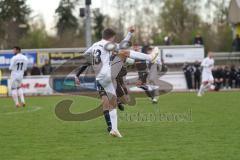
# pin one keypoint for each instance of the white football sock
(15, 96)
(21, 95)
(139, 56)
(201, 90)
(114, 119)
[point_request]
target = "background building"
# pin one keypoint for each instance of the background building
(234, 15)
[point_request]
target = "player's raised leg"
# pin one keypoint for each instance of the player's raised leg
(152, 57)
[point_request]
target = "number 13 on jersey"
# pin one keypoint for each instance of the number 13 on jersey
(97, 56)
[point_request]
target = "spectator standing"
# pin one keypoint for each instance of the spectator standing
(238, 78)
(198, 40)
(233, 75)
(47, 68)
(226, 77)
(35, 70)
(197, 75)
(167, 40)
(188, 72)
(218, 78)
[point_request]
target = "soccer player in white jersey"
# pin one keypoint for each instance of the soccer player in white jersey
(18, 65)
(101, 53)
(101, 62)
(207, 76)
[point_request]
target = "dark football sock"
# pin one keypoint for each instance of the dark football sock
(108, 120)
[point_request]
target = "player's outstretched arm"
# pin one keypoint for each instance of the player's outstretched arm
(124, 43)
(80, 71)
(88, 52)
(131, 30)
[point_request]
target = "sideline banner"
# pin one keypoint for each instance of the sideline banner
(67, 85)
(182, 55)
(62, 57)
(34, 86)
(6, 57)
(42, 57)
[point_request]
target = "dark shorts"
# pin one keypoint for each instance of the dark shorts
(143, 76)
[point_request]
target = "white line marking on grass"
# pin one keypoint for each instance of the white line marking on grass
(28, 110)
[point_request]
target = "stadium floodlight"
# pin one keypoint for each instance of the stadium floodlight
(86, 12)
(88, 2)
(88, 30)
(82, 12)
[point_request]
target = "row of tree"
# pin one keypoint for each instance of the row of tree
(179, 19)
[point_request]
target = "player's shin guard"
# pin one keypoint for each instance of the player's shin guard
(21, 95)
(114, 119)
(15, 96)
(108, 120)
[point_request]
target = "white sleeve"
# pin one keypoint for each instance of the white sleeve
(11, 63)
(126, 39)
(88, 51)
(25, 67)
(212, 66)
(204, 63)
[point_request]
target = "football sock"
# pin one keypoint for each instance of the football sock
(113, 116)
(15, 96)
(201, 89)
(108, 120)
(147, 91)
(21, 95)
(139, 56)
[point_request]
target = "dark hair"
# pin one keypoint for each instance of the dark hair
(17, 48)
(108, 33)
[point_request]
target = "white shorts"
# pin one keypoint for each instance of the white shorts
(107, 89)
(206, 77)
(16, 83)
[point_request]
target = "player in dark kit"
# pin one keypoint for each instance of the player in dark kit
(148, 73)
(119, 71)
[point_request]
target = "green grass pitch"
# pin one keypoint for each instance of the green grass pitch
(210, 132)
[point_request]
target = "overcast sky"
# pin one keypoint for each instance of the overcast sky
(46, 8)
